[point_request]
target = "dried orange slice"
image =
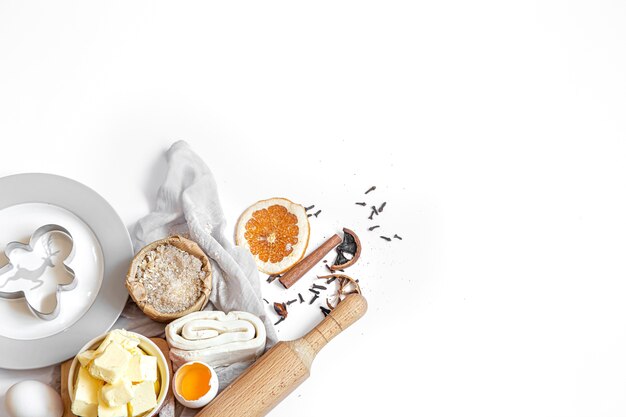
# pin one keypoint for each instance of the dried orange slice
(276, 231)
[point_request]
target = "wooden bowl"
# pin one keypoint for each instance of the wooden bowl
(138, 293)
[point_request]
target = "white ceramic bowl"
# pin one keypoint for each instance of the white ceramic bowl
(206, 398)
(150, 348)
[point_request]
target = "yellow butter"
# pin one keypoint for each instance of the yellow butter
(123, 338)
(116, 411)
(111, 365)
(144, 398)
(83, 409)
(142, 368)
(87, 387)
(86, 357)
(117, 394)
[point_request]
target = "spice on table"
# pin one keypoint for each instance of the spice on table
(382, 206)
(300, 297)
(361, 204)
(397, 237)
(315, 297)
(371, 217)
(372, 188)
(388, 239)
(314, 291)
(280, 320)
(291, 302)
(319, 287)
(373, 228)
(351, 246)
(281, 309)
(309, 208)
(325, 311)
(272, 278)
(331, 280)
(266, 302)
(317, 213)
(346, 286)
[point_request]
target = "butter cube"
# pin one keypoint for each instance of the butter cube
(117, 394)
(111, 365)
(126, 339)
(86, 388)
(144, 398)
(117, 411)
(83, 409)
(142, 368)
(85, 357)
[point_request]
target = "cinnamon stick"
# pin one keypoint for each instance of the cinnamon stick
(298, 270)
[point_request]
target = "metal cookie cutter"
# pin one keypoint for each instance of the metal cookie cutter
(31, 279)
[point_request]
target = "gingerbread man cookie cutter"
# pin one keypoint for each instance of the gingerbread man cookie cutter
(24, 281)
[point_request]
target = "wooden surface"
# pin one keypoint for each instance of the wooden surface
(277, 373)
(65, 394)
(294, 274)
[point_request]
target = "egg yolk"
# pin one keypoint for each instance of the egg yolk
(195, 382)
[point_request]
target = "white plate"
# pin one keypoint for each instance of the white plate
(102, 254)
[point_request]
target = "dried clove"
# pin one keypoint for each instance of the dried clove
(372, 188)
(300, 297)
(291, 302)
(309, 208)
(280, 320)
(397, 237)
(266, 302)
(361, 204)
(317, 213)
(374, 210)
(272, 278)
(373, 228)
(319, 287)
(388, 239)
(315, 297)
(325, 311)
(314, 291)
(382, 206)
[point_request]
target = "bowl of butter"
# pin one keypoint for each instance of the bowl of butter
(118, 374)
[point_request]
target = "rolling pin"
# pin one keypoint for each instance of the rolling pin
(281, 369)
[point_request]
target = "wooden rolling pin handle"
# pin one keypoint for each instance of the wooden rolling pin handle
(298, 270)
(347, 312)
(281, 369)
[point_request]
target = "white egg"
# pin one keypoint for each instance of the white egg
(33, 399)
(187, 370)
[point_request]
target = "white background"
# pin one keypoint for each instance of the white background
(494, 130)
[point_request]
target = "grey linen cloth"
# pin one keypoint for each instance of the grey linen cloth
(188, 204)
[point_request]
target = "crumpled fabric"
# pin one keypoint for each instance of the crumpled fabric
(187, 204)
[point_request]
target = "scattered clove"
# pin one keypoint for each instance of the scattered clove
(291, 302)
(361, 204)
(397, 237)
(309, 208)
(372, 188)
(325, 311)
(272, 278)
(280, 320)
(319, 287)
(388, 239)
(373, 227)
(314, 291)
(317, 213)
(315, 297)
(382, 206)
(300, 297)
(266, 302)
